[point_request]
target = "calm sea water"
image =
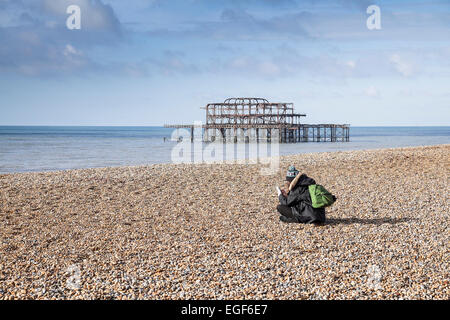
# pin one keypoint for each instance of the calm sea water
(58, 148)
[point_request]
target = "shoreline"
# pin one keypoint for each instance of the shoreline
(220, 163)
(183, 231)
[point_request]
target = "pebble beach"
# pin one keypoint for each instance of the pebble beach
(211, 231)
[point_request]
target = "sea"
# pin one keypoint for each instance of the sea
(51, 148)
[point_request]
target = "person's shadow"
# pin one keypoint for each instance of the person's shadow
(375, 221)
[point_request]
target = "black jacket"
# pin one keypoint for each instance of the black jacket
(300, 202)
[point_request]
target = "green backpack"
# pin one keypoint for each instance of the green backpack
(320, 197)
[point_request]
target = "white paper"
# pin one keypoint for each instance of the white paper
(278, 191)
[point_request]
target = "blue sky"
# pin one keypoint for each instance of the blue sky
(150, 62)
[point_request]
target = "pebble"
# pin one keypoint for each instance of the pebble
(204, 231)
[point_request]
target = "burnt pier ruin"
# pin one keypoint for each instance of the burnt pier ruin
(256, 119)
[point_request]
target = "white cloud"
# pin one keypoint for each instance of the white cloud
(95, 14)
(269, 68)
(351, 64)
(400, 65)
(38, 39)
(70, 50)
(372, 92)
(239, 62)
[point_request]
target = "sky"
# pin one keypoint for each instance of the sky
(151, 62)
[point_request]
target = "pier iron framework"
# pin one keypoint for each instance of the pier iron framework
(256, 119)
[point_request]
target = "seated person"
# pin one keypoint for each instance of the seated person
(295, 205)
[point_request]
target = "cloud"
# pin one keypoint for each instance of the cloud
(279, 62)
(171, 63)
(351, 64)
(96, 16)
(270, 3)
(400, 65)
(39, 42)
(237, 24)
(372, 92)
(358, 4)
(250, 37)
(344, 21)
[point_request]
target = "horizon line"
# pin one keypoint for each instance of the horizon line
(162, 126)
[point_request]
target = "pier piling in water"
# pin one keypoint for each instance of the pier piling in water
(255, 119)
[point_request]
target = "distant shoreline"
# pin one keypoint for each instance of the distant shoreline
(222, 163)
(36, 149)
(162, 126)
